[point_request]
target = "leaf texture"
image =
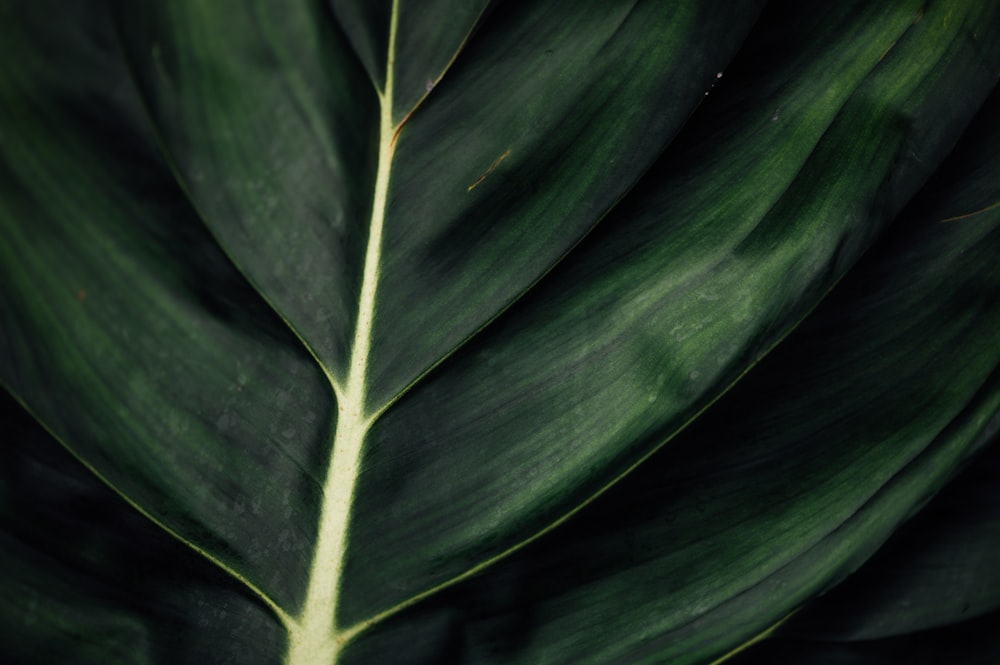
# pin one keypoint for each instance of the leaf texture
(484, 332)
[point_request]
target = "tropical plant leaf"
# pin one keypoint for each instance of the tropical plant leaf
(374, 309)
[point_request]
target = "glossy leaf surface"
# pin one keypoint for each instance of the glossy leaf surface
(406, 324)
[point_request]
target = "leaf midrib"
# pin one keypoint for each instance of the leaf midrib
(313, 636)
(313, 631)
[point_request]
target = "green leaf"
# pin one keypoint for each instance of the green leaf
(406, 325)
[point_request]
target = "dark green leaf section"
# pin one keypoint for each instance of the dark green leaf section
(931, 595)
(786, 485)
(546, 119)
(944, 567)
(939, 570)
(268, 121)
(430, 34)
(726, 245)
(975, 642)
(366, 29)
(85, 579)
(127, 333)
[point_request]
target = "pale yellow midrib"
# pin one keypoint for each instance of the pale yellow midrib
(313, 636)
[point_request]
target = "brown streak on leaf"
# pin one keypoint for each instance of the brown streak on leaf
(488, 171)
(972, 214)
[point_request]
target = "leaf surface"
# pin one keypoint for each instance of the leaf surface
(790, 482)
(358, 311)
(88, 580)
